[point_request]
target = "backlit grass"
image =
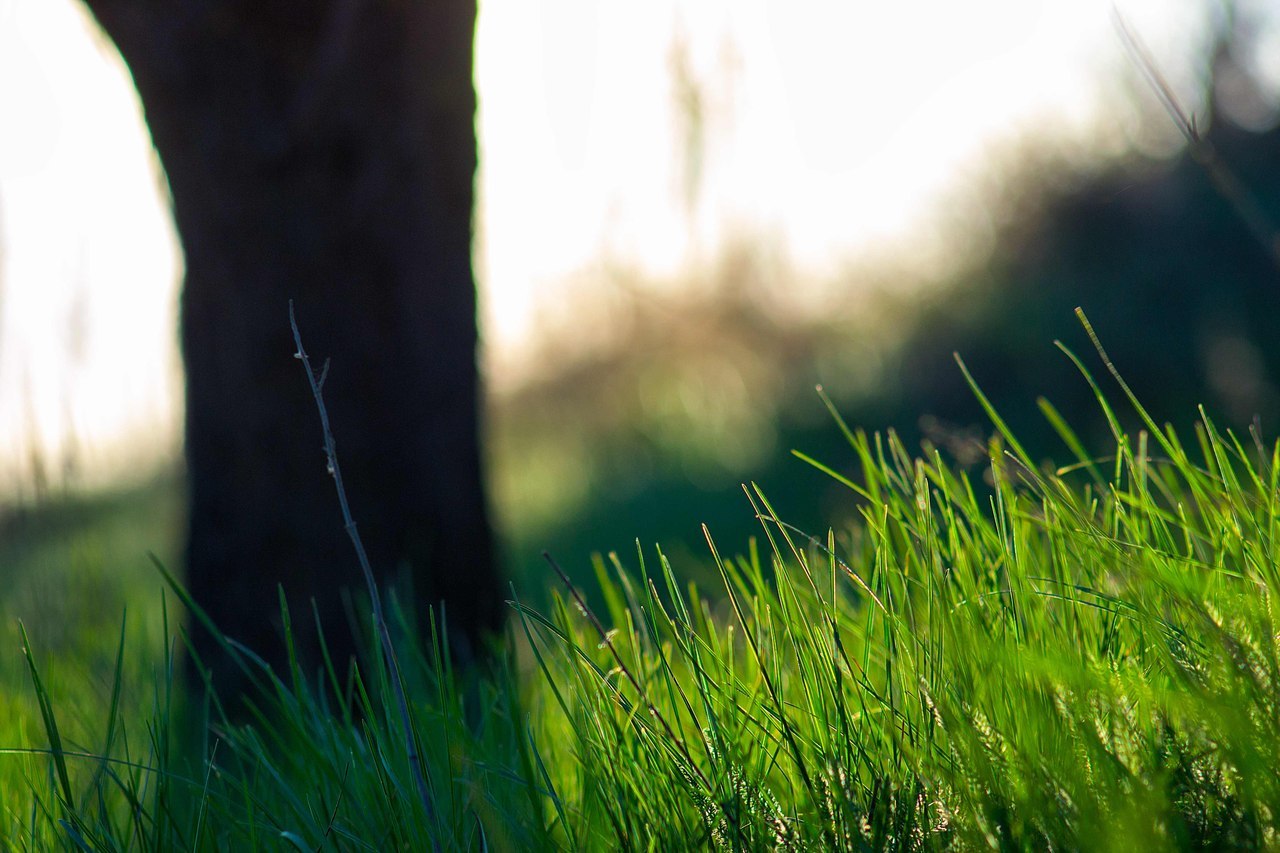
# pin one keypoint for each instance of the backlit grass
(1021, 655)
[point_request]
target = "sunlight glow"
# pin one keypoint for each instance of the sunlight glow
(88, 260)
(634, 135)
(830, 129)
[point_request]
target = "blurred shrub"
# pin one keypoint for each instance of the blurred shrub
(651, 429)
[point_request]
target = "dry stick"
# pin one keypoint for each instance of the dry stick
(1225, 181)
(379, 621)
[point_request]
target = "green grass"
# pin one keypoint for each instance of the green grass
(68, 571)
(1019, 657)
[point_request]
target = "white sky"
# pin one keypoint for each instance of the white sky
(829, 127)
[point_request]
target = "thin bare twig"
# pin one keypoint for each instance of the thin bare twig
(379, 619)
(1225, 181)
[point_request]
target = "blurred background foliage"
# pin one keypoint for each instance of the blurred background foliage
(652, 401)
(662, 406)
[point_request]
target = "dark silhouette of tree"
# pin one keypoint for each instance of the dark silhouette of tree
(322, 150)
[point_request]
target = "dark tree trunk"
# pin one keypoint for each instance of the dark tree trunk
(325, 152)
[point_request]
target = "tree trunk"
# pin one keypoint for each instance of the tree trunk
(324, 152)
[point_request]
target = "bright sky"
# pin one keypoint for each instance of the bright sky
(829, 127)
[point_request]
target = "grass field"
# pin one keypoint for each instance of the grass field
(1016, 656)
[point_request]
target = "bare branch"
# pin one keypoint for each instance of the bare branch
(379, 619)
(1225, 181)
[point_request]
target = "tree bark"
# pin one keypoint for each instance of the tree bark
(325, 152)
